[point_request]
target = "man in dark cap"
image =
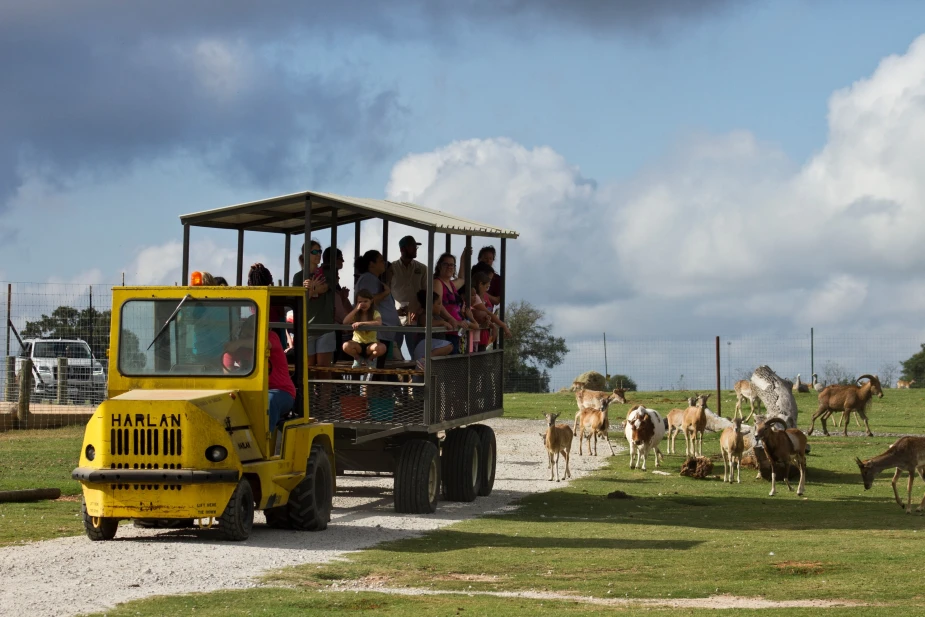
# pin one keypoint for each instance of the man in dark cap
(407, 276)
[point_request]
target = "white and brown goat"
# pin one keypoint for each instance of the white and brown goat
(906, 454)
(847, 399)
(596, 423)
(644, 430)
(732, 444)
(558, 440)
(783, 447)
(693, 426)
(744, 391)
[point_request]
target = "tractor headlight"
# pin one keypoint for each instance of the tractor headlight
(90, 452)
(216, 454)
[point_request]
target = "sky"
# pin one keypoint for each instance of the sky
(674, 169)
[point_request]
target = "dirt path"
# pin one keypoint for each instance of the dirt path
(70, 576)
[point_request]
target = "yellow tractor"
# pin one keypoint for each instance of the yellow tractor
(184, 437)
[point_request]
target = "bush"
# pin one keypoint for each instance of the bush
(621, 381)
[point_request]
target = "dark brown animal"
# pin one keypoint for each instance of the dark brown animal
(784, 447)
(906, 454)
(846, 399)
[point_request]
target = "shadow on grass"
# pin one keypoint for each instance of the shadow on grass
(452, 540)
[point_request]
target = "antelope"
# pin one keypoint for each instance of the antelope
(693, 426)
(902, 384)
(594, 422)
(732, 444)
(743, 389)
(906, 454)
(597, 400)
(674, 420)
(783, 447)
(558, 440)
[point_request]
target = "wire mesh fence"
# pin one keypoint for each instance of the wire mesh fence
(64, 330)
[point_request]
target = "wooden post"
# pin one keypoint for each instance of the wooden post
(25, 392)
(62, 381)
(10, 379)
(719, 400)
(9, 310)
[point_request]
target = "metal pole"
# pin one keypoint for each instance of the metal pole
(333, 283)
(185, 254)
(286, 280)
(503, 259)
(449, 243)
(385, 240)
(240, 257)
(308, 240)
(91, 321)
(467, 275)
(123, 279)
(812, 352)
(429, 390)
(606, 369)
(9, 309)
(356, 242)
(719, 401)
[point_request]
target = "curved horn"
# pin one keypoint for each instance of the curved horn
(771, 421)
(865, 376)
(859, 462)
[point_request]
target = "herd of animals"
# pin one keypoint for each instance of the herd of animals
(783, 446)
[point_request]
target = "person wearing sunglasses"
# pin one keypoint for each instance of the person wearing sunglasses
(319, 289)
(448, 284)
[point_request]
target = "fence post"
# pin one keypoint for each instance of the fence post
(606, 368)
(719, 401)
(812, 351)
(91, 325)
(25, 392)
(9, 315)
(62, 381)
(10, 379)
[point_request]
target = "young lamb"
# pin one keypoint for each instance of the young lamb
(906, 454)
(732, 444)
(558, 440)
(590, 421)
(693, 426)
(783, 446)
(644, 430)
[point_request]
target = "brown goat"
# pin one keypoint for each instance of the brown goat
(732, 444)
(558, 441)
(906, 454)
(784, 447)
(693, 425)
(846, 399)
(674, 419)
(743, 389)
(590, 421)
(597, 400)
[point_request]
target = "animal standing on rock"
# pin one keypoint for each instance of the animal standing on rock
(593, 422)
(693, 425)
(906, 454)
(743, 390)
(675, 419)
(644, 430)
(784, 446)
(732, 444)
(558, 441)
(847, 399)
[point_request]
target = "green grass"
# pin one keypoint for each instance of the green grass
(40, 459)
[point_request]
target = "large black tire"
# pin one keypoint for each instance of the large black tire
(310, 502)
(417, 478)
(460, 459)
(237, 520)
(488, 458)
(104, 529)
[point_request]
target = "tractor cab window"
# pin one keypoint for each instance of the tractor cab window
(197, 337)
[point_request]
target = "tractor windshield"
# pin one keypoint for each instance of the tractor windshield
(205, 337)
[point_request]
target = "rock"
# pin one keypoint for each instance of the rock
(591, 380)
(776, 394)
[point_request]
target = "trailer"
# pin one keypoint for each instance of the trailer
(418, 424)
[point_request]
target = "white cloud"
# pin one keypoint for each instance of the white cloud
(162, 264)
(724, 233)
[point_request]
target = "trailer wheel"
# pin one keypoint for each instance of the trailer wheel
(310, 501)
(278, 517)
(237, 520)
(417, 478)
(487, 459)
(461, 450)
(99, 528)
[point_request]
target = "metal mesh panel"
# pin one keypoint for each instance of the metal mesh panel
(465, 385)
(366, 403)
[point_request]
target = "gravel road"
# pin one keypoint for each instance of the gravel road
(71, 576)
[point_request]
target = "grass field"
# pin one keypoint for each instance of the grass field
(675, 538)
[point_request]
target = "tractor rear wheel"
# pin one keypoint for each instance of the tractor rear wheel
(237, 520)
(417, 478)
(99, 528)
(311, 500)
(487, 458)
(461, 453)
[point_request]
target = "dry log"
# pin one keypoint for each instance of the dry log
(32, 494)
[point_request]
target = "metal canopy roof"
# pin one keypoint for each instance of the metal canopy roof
(286, 214)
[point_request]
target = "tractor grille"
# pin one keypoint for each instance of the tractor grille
(146, 442)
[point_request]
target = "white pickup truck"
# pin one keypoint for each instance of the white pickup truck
(86, 377)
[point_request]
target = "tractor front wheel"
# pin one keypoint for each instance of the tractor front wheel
(99, 528)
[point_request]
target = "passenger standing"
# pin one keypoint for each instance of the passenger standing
(319, 311)
(406, 277)
(487, 256)
(342, 304)
(370, 267)
(448, 284)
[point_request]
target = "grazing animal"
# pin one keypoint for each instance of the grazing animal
(693, 425)
(644, 430)
(902, 384)
(558, 441)
(906, 454)
(674, 419)
(783, 447)
(818, 387)
(596, 399)
(799, 386)
(743, 389)
(593, 422)
(732, 444)
(847, 399)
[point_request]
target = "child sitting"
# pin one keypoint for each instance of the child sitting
(364, 347)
